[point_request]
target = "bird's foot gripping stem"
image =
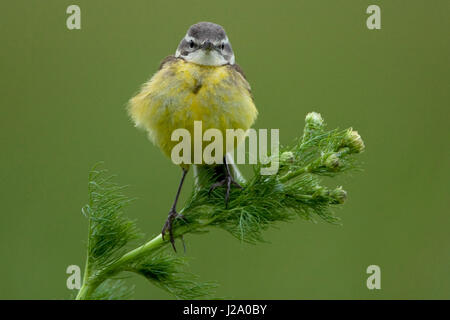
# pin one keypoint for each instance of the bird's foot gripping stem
(168, 227)
(228, 181)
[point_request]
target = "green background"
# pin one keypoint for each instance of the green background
(63, 97)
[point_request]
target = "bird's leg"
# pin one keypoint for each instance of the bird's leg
(173, 214)
(228, 181)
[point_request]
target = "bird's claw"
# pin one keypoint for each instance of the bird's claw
(228, 180)
(169, 227)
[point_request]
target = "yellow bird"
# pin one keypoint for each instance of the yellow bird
(201, 82)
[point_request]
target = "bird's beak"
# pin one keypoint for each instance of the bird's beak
(207, 45)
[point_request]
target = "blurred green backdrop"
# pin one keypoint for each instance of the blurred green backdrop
(63, 95)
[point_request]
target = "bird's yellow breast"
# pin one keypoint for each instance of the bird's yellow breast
(182, 92)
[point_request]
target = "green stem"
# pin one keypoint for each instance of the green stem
(85, 287)
(151, 245)
(91, 283)
(85, 291)
(292, 174)
(89, 287)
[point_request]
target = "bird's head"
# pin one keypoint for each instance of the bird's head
(206, 43)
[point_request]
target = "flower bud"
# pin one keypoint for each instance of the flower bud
(332, 162)
(287, 156)
(339, 194)
(354, 141)
(313, 125)
(314, 120)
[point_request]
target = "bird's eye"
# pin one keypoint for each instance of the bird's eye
(191, 44)
(222, 46)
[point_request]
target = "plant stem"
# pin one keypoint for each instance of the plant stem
(91, 283)
(85, 287)
(88, 287)
(85, 291)
(151, 245)
(293, 174)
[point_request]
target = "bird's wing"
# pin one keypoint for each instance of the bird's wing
(166, 60)
(239, 70)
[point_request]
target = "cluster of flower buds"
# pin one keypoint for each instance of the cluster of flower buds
(337, 195)
(351, 143)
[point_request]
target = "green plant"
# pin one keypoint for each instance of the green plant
(297, 190)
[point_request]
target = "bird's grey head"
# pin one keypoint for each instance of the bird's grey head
(206, 43)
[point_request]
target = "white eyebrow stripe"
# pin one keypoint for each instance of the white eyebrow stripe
(189, 38)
